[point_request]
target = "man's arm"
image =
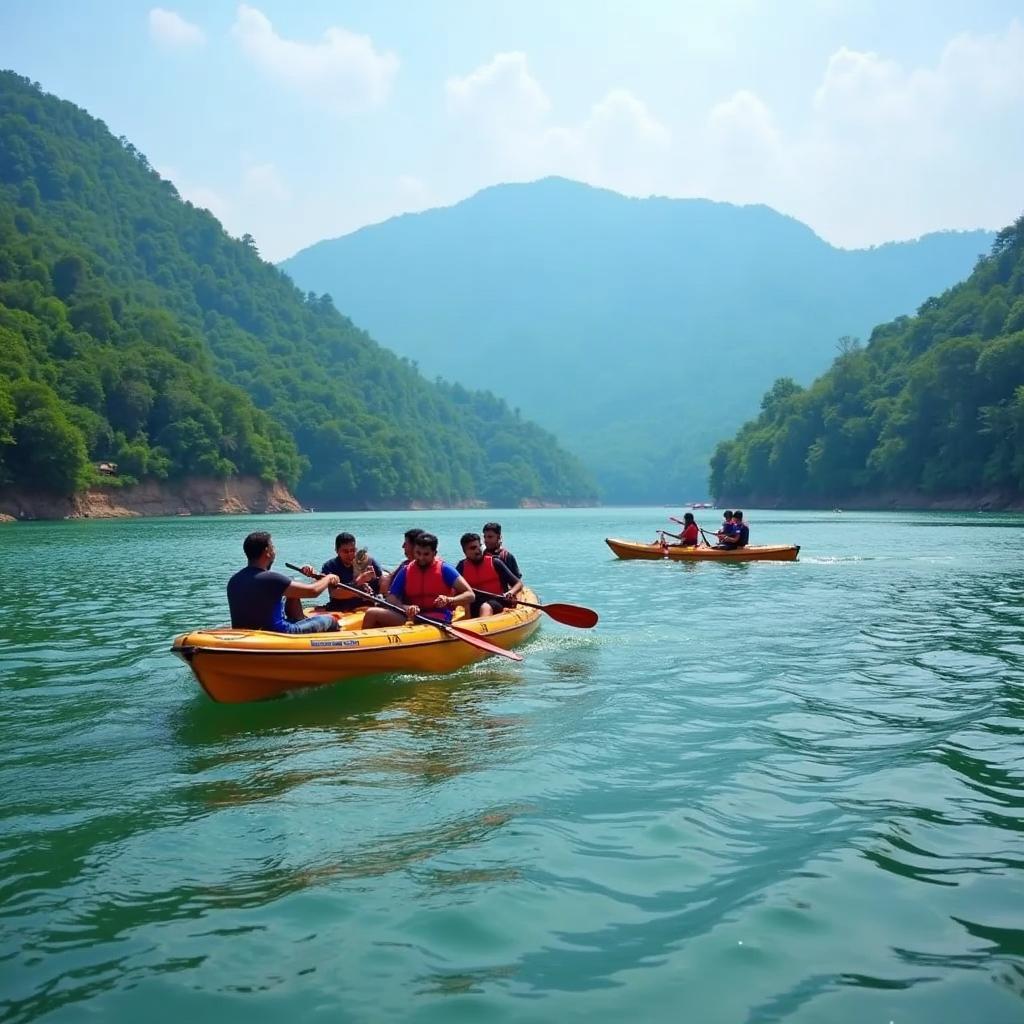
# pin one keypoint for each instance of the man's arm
(463, 595)
(314, 589)
(511, 583)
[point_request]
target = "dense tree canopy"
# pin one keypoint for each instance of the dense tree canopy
(934, 405)
(134, 330)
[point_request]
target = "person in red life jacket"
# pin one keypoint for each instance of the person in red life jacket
(424, 586)
(407, 549)
(486, 572)
(690, 536)
(493, 546)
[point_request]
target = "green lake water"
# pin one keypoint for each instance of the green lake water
(759, 792)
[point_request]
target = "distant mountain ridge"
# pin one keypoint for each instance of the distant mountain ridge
(640, 331)
(136, 334)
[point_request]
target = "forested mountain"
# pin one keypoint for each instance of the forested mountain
(641, 331)
(133, 329)
(933, 406)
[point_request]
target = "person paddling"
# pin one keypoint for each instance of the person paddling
(486, 572)
(740, 535)
(690, 536)
(261, 599)
(425, 586)
(727, 532)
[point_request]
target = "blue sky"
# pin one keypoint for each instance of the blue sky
(295, 122)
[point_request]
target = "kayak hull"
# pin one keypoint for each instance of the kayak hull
(652, 552)
(239, 665)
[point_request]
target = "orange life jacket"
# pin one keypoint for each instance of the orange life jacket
(423, 586)
(482, 575)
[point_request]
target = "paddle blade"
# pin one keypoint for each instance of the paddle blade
(572, 615)
(484, 645)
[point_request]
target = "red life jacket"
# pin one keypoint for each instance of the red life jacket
(423, 586)
(482, 575)
(690, 534)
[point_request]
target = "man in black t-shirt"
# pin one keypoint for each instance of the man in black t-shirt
(493, 546)
(261, 599)
(343, 565)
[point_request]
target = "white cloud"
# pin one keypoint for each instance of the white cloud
(507, 109)
(502, 94)
(344, 71)
(884, 150)
(623, 119)
(170, 29)
(744, 123)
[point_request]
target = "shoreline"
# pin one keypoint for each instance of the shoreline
(199, 496)
(902, 501)
(151, 498)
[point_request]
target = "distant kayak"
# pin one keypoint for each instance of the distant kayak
(751, 553)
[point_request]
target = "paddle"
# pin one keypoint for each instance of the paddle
(568, 614)
(679, 535)
(450, 630)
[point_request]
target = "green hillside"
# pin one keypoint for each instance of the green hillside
(133, 329)
(932, 406)
(641, 331)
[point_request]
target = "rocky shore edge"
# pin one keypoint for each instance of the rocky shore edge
(198, 496)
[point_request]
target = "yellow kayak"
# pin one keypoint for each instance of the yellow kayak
(236, 665)
(751, 553)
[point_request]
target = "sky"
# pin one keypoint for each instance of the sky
(294, 122)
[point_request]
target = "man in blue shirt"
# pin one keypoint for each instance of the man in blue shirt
(261, 599)
(424, 586)
(727, 534)
(740, 536)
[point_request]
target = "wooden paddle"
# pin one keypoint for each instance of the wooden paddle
(569, 614)
(452, 631)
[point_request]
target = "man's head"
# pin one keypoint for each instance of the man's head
(345, 546)
(737, 516)
(410, 540)
(492, 536)
(472, 546)
(259, 549)
(425, 549)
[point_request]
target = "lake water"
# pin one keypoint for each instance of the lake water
(760, 792)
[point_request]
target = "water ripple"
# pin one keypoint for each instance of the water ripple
(762, 792)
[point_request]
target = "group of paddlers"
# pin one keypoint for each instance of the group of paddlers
(733, 533)
(485, 581)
